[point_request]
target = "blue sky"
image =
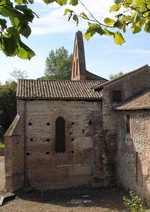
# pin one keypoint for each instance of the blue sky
(52, 30)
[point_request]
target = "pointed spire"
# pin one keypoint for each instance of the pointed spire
(78, 64)
(79, 71)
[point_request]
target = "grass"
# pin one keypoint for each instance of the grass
(1, 144)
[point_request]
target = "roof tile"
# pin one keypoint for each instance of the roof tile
(57, 89)
(141, 102)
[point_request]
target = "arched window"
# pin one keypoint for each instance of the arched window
(60, 135)
(127, 123)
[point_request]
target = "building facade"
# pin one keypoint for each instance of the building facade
(84, 131)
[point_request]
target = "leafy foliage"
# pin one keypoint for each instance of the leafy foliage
(115, 76)
(58, 65)
(16, 17)
(7, 105)
(134, 202)
(133, 13)
(11, 30)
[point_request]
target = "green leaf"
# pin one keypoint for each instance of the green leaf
(75, 18)
(69, 12)
(119, 24)
(107, 32)
(138, 3)
(3, 23)
(73, 2)
(66, 11)
(27, 15)
(93, 28)
(109, 21)
(84, 16)
(88, 34)
(15, 21)
(61, 2)
(8, 45)
(24, 52)
(118, 38)
(24, 30)
(7, 11)
(31, 1)
(138, 17)
(115, 8)
(13, 32)
(147, 27)
(136, 28)
(21, 1)
(48, 1)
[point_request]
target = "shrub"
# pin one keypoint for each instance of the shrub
(134, 202)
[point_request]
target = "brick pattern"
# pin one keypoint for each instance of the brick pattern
(84, 144)
(133, 156)
(122, 148)
(79, 71)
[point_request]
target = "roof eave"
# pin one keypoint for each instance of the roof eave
(63, 99)
(120, 78)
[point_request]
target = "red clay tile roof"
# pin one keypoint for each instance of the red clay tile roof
(56, 89)
(141, 102)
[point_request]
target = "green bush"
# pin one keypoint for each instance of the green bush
(134, 202)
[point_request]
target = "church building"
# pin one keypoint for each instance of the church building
(82, 131)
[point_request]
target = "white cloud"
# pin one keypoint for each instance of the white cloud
(51, 19)
(139, 51)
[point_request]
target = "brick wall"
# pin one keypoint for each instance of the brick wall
(133, 164)
(130, 86)
(120, 148)
(82, 162)
(14, 155)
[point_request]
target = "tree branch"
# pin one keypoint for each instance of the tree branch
(94, 19)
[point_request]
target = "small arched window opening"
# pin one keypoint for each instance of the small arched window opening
(77, 70)
(60, 135)
(74, 69)
(127, 123)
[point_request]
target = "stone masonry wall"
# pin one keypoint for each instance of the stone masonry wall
(82, 161)
(14, 155)
(133, 158)
(130, 86)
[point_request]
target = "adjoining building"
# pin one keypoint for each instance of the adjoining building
(83, 131)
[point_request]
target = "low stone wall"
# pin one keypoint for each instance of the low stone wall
(2, 150)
